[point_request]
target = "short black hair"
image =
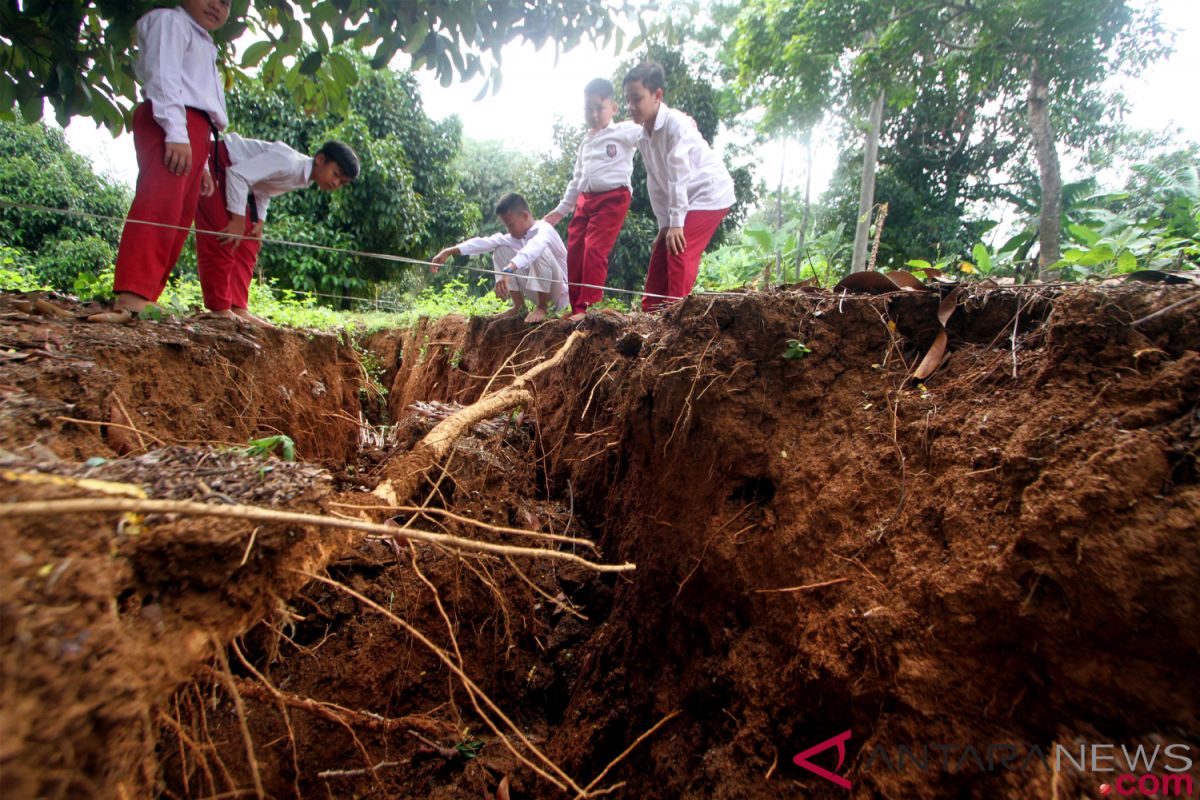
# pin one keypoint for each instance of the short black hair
(599, 87)
(343, 155)
(512, 202)
(648, 73)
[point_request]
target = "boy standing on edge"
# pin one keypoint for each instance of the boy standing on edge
(598, 193)
(184, 103)
(249, 173)
(690, 189)
(530, 259)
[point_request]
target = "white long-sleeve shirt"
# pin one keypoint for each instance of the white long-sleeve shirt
(266, 169)
(682, 172)
(177, 65)
(604, 163)
(540, 238)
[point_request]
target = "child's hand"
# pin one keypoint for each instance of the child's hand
(502, 288)
(236, 226)
(676, 241)
(440, 259)
(207, 184)
(178, 158)
(553, 218)
(256, 231)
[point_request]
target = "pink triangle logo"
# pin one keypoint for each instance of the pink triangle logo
(839, 741)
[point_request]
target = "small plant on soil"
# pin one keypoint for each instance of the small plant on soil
(265, 447)
(469, 748)
(796, 349)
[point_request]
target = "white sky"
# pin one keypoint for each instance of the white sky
(536, 90)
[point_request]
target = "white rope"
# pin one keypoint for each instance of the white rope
(328, 249)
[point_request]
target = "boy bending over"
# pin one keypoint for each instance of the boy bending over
(249, 172)
(530, 260)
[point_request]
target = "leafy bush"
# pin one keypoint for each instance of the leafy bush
(61, 260)
(15, 274)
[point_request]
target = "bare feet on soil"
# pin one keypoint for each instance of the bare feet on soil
(244, 315)
(536, 316)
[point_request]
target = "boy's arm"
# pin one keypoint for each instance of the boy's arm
(161, 40)
(679, 173)
(534, 247)
(471, 247)
(572, 192)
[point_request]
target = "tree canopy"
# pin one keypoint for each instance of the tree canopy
(74, 53)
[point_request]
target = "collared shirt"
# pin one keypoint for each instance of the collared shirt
(540, 238)
(177, 65)
(604, 163)
(682, 171)
(266, 169)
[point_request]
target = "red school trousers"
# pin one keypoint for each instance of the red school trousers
(148, 253)
(672, 274)
(225, 272)
(590, 238)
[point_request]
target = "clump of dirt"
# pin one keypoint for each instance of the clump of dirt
(1003, 554)
(190, 381)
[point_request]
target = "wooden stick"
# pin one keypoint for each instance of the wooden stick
(240, 707)
(425, 510)
(112, 425)
(1162, 311)
(469, 684)
(453, 543)
(436, 444)
(125, 413)
(626, 752)
(805, 587)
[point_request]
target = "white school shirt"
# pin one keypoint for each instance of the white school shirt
(267, 169)
(541, 237)
(604, 163)
(177, 65)
(682, 172)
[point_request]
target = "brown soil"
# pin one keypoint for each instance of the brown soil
(1006, 554)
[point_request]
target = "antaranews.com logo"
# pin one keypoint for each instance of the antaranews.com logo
(1138, 771)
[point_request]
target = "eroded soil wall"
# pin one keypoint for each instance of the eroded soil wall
(1006, 554)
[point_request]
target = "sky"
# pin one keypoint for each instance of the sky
(536, 90)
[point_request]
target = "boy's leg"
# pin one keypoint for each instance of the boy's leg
(576, 252)
(656, 278)
(682, 268)
(543, 308)
(501, 258)
(605, 218)
(244, 259)
(538, 283)
(147, 253)
(214, 261)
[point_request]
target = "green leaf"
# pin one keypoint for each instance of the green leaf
(311, 63)
(983, 259)
(255, 53)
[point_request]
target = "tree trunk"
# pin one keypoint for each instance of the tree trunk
(866, 197)
(807, 203)
(1049, 222)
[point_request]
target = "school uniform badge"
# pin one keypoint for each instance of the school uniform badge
(611, 150)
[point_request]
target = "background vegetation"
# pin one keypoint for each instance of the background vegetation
(961, 118)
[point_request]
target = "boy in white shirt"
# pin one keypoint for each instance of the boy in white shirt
(530, 260)
(690, 189)
(598, 194)
(248, 173)
(172, 134)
